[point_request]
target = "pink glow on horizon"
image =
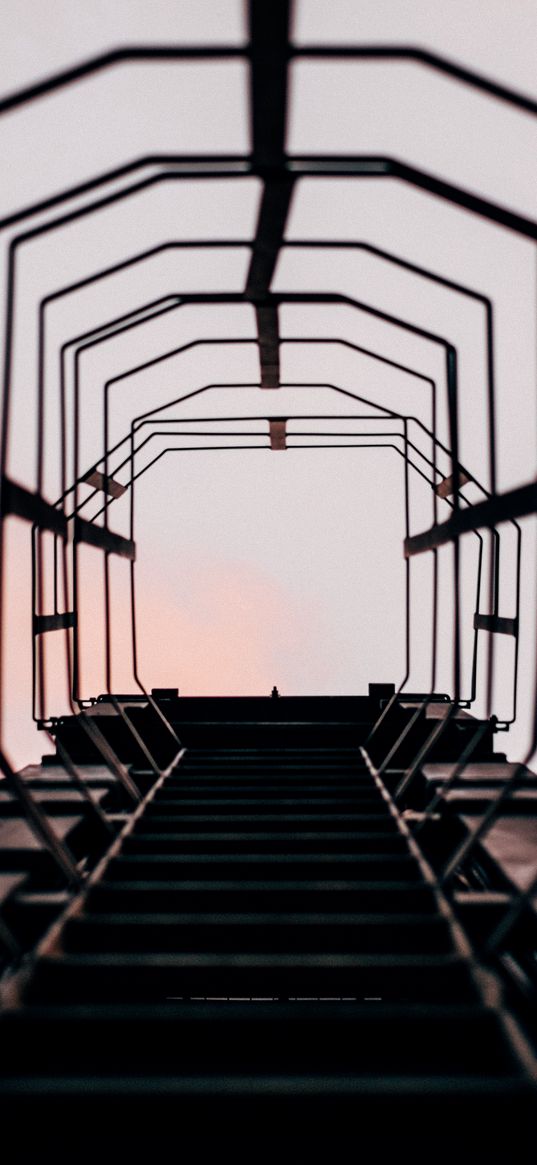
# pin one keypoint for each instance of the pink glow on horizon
(230, 634)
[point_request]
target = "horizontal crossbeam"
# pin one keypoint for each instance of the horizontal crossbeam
(102, 539)
(495, 623)
(57, 622)
(23, 503)
(517, 503)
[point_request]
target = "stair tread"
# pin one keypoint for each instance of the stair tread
(317, 1084)
(335, 972)
(183, 843)
(226, 1012)
(270, 897)
(348, 932)
(193, 959)
(188, 885)
(16, 834)
(282, 820)
(268, 788)
(266, 801)
(254, 918)
(405, 862)
(142, 977)
(176, 835)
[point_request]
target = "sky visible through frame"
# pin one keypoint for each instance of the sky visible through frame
(259, 568)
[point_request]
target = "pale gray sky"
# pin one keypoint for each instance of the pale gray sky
(259, 568)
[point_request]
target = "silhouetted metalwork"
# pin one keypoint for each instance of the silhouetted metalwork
(376, 812)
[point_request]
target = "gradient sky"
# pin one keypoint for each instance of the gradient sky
(259, 568)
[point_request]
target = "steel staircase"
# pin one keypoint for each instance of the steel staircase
(264, 943)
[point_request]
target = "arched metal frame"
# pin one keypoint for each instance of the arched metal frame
(494, 571)
(132, 324)
(99, 337)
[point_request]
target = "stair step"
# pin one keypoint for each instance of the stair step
(248, 805)
(286, 758)
(259, 866)
(271, 779)
(269, 765)
(245, 895)
(270, 933)
(21, 850)
(235, 1091)
(52, 802)
(214, 843)
(61, 780)
(308, 775)
(39, 899)
(290, 753)
(390, 1115)
(484, 772)
(274, 757)
(471, 802)
(124, 978)
(263, 941)
(156, 820)
(288, 1038)
(270, 786)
